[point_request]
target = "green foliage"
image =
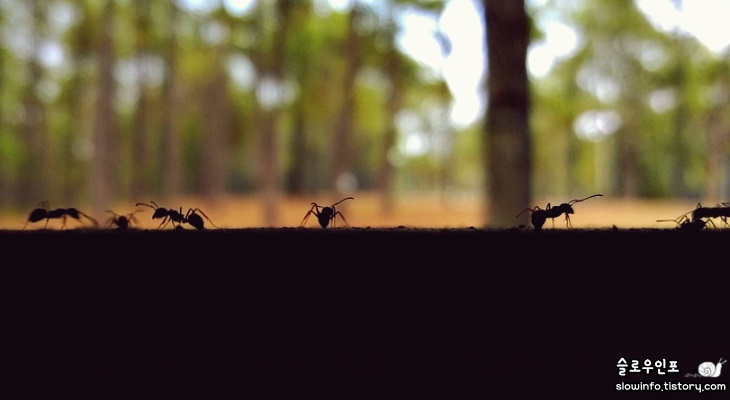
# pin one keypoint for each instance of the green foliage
(655, 82)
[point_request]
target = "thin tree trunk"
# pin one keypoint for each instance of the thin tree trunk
(269, 167)
(507, 136)
(271, 62)
(680, 161)
(140, 125)
(628, 161)
(4, 163)
(32, 184)
(345, 124)
(298, 170)
(104, 160)
(170, 143)
(718, 138)
(214, 150)
(393, 104)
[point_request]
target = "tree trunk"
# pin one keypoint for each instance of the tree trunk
(217, 123)
(34, 174)
(270, 60)
(140, 125)
(393, 105)
(298, 171)
(104, 160)
(171, 151)
(4, 184)
(269, 167)
(717, 139)
(345, 124)
(507, 135)
(628, 160)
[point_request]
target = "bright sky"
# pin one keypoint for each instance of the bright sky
(462, 22)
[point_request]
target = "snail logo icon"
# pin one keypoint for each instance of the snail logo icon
(708, 369)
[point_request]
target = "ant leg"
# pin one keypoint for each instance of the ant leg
(164, 222)
(306, 217)
(194, 210)
(94, 221)
(528, 209)
(310, 212)
(567, 221)
(341, 216)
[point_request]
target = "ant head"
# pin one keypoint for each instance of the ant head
(160, 213)
(565, 208)
(327, 211)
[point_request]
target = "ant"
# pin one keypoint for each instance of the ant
(712, 212)
(685, 224)
(326, 214)
(539, 216)
(122, 222)
(697, 222)
(44, 213)
(169, 215)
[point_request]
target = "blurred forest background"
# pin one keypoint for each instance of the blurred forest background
(282, 103)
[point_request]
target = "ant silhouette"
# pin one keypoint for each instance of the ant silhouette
(712, 212)
(539, 216)
(326, 214)
(44, 213)
(684, 223)
(169, 215)
(697, 222)
(122, 222)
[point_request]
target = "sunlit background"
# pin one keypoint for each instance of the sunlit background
(252, 110)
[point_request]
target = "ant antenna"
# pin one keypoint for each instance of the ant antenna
(577, 201)
(679, 220)
(346, 198)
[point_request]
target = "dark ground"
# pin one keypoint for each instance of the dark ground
(362, 313)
